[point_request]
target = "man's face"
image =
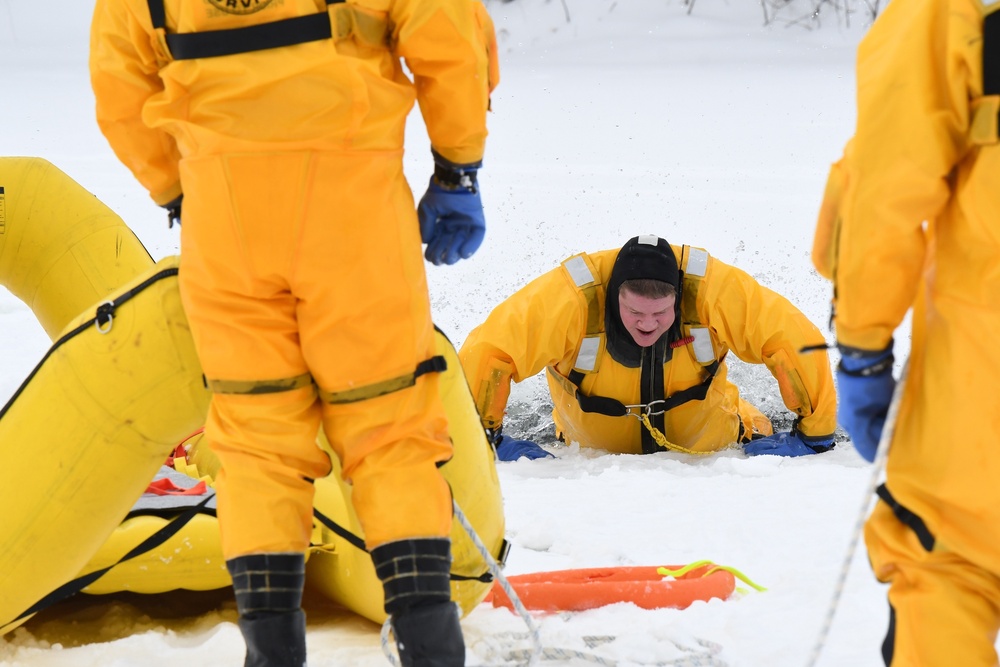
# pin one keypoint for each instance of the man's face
(646, 319)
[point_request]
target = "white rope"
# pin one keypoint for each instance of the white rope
(881, 454)
(386, 644)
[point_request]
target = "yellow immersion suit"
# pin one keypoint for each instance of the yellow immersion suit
(911, 218)
(556, 323)
(301, 267)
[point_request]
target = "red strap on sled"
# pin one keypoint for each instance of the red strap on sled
(164, 487)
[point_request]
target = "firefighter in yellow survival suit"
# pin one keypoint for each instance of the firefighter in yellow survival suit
(634, 343)
(281, 124)
(911, 219)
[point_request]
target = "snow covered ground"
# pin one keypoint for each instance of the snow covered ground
(630, 117)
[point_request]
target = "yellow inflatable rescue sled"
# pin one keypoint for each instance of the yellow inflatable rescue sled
(129, 385)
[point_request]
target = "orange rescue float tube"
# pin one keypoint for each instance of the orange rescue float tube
(643, 586)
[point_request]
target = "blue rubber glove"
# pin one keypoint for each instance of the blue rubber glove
(509, 449)
(451, 217)
(788, 444)
(864, 390)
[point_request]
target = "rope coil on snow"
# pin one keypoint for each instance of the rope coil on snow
(526, 657)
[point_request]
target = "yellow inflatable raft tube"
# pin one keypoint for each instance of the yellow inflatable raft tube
(128, 386)
(191, 560)
(94, 420)
(61, 250)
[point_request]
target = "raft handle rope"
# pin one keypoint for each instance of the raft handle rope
(526, 657)
(881, 455)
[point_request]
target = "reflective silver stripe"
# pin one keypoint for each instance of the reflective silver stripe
(586, 359)
(579, 271)
(704, 351)
(649, 239)
(697, 262)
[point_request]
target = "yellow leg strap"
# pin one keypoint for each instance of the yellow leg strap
(433, 365)
(259, 386)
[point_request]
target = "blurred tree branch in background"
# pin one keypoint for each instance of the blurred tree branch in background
(809, 14)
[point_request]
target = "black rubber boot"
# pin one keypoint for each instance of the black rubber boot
(430, 636)
(416, 576)
(268, 590)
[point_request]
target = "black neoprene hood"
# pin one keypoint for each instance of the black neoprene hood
(641, 257)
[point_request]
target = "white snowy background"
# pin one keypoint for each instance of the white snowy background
(613, 118)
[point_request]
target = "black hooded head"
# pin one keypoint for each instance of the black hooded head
(642, 257)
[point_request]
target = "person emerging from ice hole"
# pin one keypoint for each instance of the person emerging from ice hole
(634, 344)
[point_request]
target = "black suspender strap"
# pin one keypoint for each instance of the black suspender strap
(157, 14)
(651, 392)
(272, 35)
(991, 54)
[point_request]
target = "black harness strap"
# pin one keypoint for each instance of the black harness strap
(907, 518)
(156, 539)
(650, 391)
(272, 35)
(612, 407)
(339, 530)
(359, 543)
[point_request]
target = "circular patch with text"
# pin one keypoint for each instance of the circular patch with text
(240, 6)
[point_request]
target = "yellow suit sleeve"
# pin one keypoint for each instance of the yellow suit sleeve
(762, 327)
(912, 115)
(538, 326)
(124, 74)
(450, 47)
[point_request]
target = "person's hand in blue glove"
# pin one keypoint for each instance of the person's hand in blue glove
(509, 449)
(788, 444)
(451, 217)
(864, 390)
